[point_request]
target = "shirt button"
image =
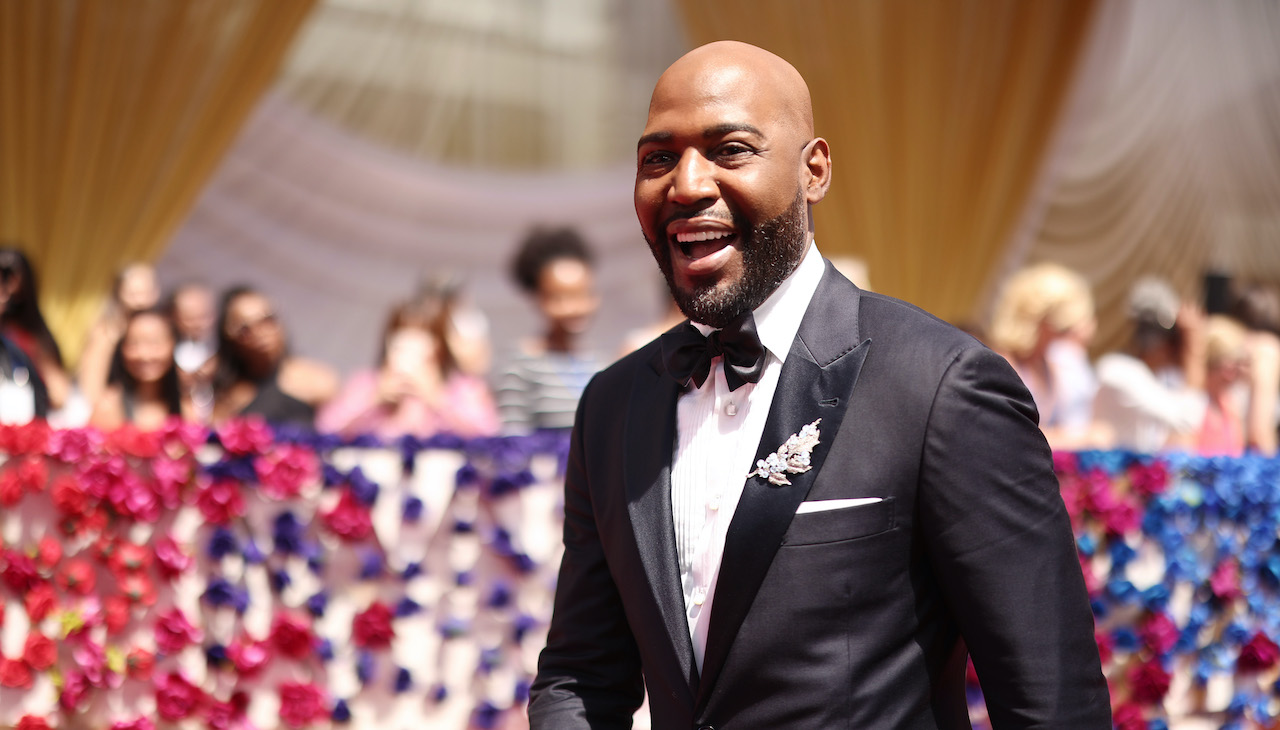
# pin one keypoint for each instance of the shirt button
(731, 409)
(713, 504)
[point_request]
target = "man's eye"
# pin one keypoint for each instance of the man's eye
(656, 158)
(734, 149)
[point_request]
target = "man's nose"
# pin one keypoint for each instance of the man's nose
(694, 179)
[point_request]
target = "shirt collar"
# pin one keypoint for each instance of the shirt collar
(778, 319)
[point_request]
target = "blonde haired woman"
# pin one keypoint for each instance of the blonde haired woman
(1043, 321)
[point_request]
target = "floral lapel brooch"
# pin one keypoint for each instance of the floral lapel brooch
(790, 458)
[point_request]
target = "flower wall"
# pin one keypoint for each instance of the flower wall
(244, 578)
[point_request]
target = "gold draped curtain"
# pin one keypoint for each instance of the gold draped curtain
(113, 113)
(940, 115)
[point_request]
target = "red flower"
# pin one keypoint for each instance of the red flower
(1148, 682)
(245, 436)
(1259, 653)
(223, 715)
(39, 651)
(372, 627)
(138, 588)
(14, 673)
(286, 470)
(74, 689)
(349, 519)
(48, 552)
(291, 636)
(31, 722)
(69, 497)
(11, 490)
(174, 632)
(98, 476)
(220, 502)
(1159, 632)
(39, 601)
(117, 610)
(177, 698)
(301, 704)
(128, 557)
(139, 664)
(19, 571)
(1148, 480)
(1124, 517)
(78, 577)
(26, 439)
(33, 472)
(127, 439)
(1129, 717)
(249, 657)
(170, 558)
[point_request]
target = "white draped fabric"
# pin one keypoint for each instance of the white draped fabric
(335, 230)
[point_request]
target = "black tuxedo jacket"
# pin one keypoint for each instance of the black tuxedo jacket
(849, 618)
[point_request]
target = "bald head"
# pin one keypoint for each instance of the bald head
(722, 69)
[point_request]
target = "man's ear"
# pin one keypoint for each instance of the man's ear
(817, 161)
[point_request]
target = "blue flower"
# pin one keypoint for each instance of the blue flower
(371, 565)
(454, 627)
(464, 578)
(522, 691)
(219, 593)
(490, 658)
(411, 571)
(523, 624)
(467, 476)
(499, 596)
(252, 553)
(287, 533)
(332, 478)
(280, 580)
(439, 692)
(317, 603)
(362, 488)
(365, 666)
(324, 649)
(486, 716)
(341, 713)
(215, 655)
(407, 607)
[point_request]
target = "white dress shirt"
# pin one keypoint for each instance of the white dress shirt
(718, 433)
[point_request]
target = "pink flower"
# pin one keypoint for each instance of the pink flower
(141, 723)
(291, 636)
(128, 557)
(171, 477)
(301, 704)
(170, 558)
(349, 519)
(1148, 682)
(249, 657)
(31, 722)
(245, 436)
(174, 632)
(14, 673)
(1159, 632)
(181, 437)
(131, 497)
(1258, 654)
(74, 689)
(286, 470)
(129, 440)
(1124, 517)
(39, 651)
(1225, 581)
(138, 588)
(227, 715)
(176, 697)
(98, 476)
(1148, 480)
(117, 610)
(74, 444)
(33, 472)
(372, 628)
(48, 552)
(92, 660)
(220, 502)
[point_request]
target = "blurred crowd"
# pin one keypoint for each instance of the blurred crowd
(1201, 382)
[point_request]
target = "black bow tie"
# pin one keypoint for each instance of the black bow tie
(687, 354)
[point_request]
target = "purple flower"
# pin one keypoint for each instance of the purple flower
(467, 476)
(439, 692)
(523, 624)
(453, 627)
(411, 571)
(407, 607)
(287, 533)
(324, 649)
(317, 603)
(341, 713)
(404, 681)
(464, 578)
(486, 716)
(280, 580)
(370, 564)
(222, 543)
(522, 691)
(221, 593)
(490, 659)
(332, 478)
(412, 510)
(252, 553)
(362, 488)
(216, 655)
(500, 596)
(365, 666)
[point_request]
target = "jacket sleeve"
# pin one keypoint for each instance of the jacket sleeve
(589, 673)
(1001, 547)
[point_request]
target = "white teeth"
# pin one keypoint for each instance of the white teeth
(701, 236)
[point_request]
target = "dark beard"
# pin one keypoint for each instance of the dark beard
(770, 252)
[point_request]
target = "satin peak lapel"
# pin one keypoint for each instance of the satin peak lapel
(817, 380)
(647, 455)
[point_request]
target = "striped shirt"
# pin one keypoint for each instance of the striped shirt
(541, 391)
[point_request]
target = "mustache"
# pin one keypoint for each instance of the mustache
(722, 216)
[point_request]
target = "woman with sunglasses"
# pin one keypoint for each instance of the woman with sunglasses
(255, 373)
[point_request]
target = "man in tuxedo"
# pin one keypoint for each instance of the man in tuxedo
(805, 506)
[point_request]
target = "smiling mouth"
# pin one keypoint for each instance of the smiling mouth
(698, 244)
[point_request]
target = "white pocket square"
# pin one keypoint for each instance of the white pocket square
(825, 505)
